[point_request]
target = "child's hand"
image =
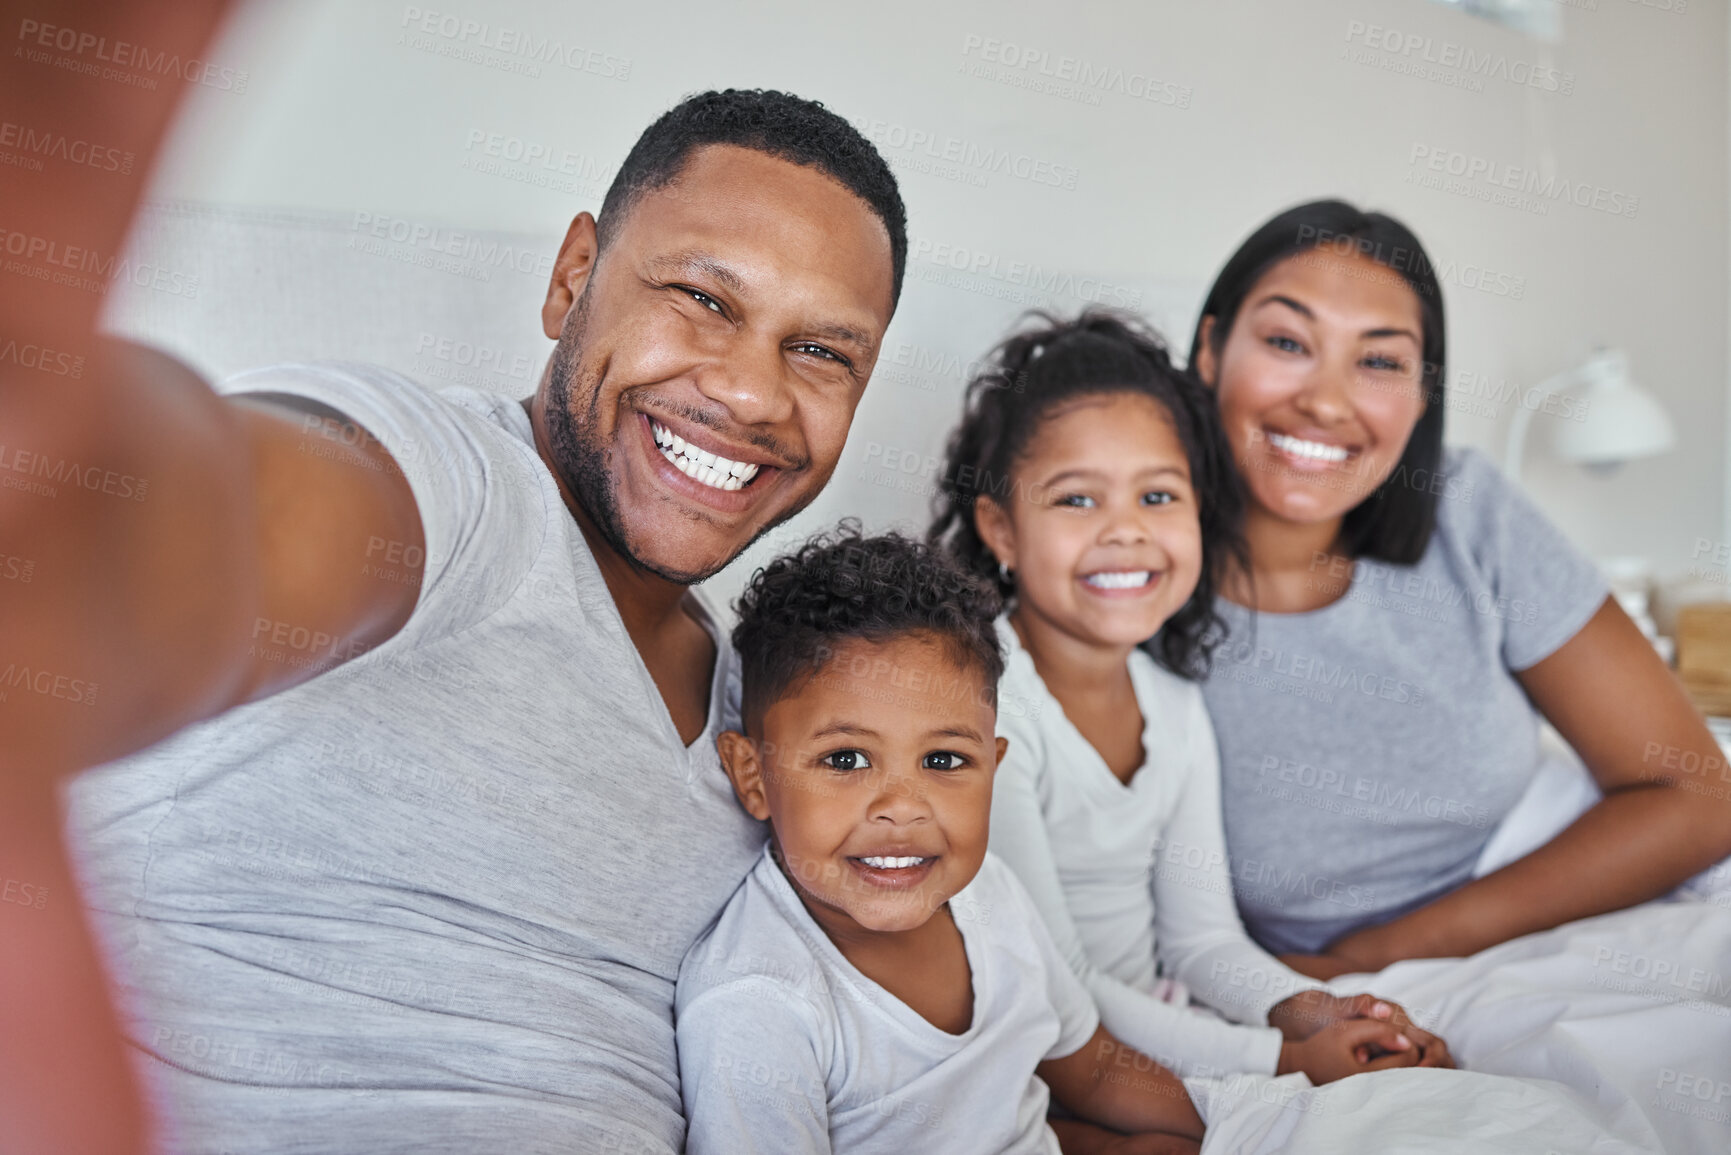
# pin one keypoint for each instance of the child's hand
(1078, 1138)
(1436, 1052)
(1349, 1047)
(1152, 1144)
(1119, 1089)
(1304, 1014)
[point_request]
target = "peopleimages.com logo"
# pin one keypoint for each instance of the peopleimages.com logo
(971, 159)
(515, 49)
(1449, 60)
(1068, 77)
(89, 54)
(39, 144)
(1025, 282)
(1524, 188)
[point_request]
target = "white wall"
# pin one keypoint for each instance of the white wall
(1257, 104)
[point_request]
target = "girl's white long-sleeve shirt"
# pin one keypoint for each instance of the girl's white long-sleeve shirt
(1132, 878)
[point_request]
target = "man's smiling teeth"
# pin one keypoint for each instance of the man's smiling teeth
(1119, 579)
(1315, 450)
(880, 862)
(711, 469)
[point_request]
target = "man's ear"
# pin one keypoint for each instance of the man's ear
(570, 273)
(739, 757)
(1206, 361)
(992, 523)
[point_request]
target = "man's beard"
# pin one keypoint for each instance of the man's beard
(584, 459)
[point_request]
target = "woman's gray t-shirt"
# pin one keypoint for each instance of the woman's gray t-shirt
(1369, 748)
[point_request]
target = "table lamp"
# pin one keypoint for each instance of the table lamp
(1618, 420)
(1614, 421)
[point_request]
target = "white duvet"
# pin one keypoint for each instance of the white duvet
(1612, 1034)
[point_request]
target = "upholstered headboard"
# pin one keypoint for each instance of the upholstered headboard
(232, 289)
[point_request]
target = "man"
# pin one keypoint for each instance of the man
(434, 809)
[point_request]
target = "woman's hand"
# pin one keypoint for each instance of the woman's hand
(1363, 951)
(1369, 949)
(1321, 967)
(1614, 701)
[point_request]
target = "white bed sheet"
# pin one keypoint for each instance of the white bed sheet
(1612, 1034)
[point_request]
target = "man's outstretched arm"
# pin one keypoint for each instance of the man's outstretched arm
(146, 528)
(181, 558)
(178, 575)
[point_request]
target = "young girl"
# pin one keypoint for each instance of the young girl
(1090, 479)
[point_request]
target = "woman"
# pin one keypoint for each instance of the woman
(1414, 618)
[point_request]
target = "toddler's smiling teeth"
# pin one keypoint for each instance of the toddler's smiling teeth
(1119, 579)
(880, 862)
(711, 469)
(1315, 450)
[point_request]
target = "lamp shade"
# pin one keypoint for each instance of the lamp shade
(1621, 421)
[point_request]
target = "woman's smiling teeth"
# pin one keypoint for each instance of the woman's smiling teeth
(1311, 450)
(711, 469)
(1119, 579)
(881, 862)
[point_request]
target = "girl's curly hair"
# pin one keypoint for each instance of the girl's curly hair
(1031, 374)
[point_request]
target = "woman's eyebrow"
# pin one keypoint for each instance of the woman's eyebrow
(1282, 299)
(1304, 310)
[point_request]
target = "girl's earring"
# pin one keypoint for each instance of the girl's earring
(1004, 573)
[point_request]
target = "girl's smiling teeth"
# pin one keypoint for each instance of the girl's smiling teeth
(1119, 579)
(1308, 450)
(890, 862)
(711, 469)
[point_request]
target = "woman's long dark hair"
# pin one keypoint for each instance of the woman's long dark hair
(1395, 523)
(1032, 373)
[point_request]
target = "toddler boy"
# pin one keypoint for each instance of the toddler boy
(879, 983)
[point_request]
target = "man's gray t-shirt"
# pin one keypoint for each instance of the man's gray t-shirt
(1369, 748)
(436, 898)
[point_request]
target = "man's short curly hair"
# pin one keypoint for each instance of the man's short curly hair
(842, 585)
(780, 124)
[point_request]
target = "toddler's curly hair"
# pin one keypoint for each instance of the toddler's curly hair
(843, 585)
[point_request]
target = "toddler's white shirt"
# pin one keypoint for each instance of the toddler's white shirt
(785, 1046)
